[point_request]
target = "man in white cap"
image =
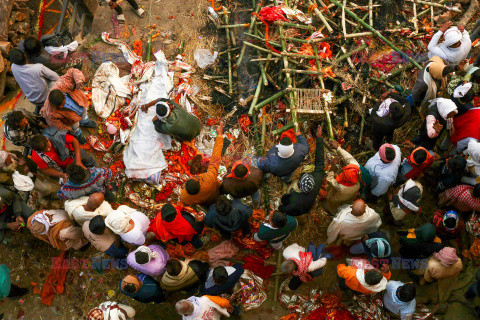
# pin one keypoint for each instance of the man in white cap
(283, 158)
(129, 223)
(456, 44)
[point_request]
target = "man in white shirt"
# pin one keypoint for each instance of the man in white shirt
(454, 48)
(129, 223)
(34, 79)
(87, 207)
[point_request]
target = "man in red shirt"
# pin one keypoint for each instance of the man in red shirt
(53, 155)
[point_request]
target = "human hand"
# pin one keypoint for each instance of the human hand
(64, 177)
(144, 108)
(446, 26)
(334, 144)
(319, 131)
(14, 225)
(385, 95)
(79, 85)
(437, 126)
(461, 28)
(220, 128)
(20, 220)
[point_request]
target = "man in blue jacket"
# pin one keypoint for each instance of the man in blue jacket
(222, 280)
(285, 157)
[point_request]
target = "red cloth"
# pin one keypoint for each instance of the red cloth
(256, 264)
(302, 266)
(54, 155)
(272, 14)
(466, 126)
(55, 283)
(349, 176)
(418, 169)
(179, 228)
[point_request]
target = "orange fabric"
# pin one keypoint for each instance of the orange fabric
(209, 184)
(178, 228)
(55, 283)
(224, 303)
(64, 119)
(290, 134)
(349, 273)
(349, 176)
(53, 235)
(236, 164)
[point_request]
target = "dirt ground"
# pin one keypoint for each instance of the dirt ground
(30, 259)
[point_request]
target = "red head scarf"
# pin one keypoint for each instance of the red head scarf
(236, 164)
(178, 228)
(349, 176)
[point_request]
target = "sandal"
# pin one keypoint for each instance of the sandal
(140, 12)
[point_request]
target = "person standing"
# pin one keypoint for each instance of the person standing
(455, 46)
(276, 229)
(142, 288)
(383, 167)
(243, 181)
(7, 288)
(204, 308)
(229, 216)
(120, 17)
(103, 239)
(130, 224)
(21, 126)
(399, 299)
(34, 79)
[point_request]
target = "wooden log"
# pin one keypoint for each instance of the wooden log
(320, 15)
(287, 127)
(5, 10)
(274, 97)
(472, 10)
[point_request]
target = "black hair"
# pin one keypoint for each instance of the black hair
(141, 257)
(17, 57)
(220, 275)
(279, 220)
(192, 186)
(130, 288)
(407, 292)
(449, 69)
(39, 143)
(168, 212)
(468, 97)
(32, 46)
(14, 118)
(173, 267)
(373, 277)
(286, 141)
(223, 205)
(240, 171)
(420, 156)
(476, 191)
(161, 110)
(390, 153)
(56, 97)
(396, 110)
(76, 174)
(97, 225)
(450, 222)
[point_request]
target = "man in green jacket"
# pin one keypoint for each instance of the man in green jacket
(7, 288)
(276, 229)
(174, 120)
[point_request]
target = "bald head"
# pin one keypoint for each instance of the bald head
(184, 307)
(95, 200)
(358, 207)
(288, 267)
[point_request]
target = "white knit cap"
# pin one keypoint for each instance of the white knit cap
(118, 222)
(452, 36)
(285, 151)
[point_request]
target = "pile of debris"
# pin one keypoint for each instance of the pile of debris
(320, 58)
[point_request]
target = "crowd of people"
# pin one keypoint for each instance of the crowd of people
(55, 165)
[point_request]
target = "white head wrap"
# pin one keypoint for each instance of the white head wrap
(285, 151)
(379, 287)
(384, 107)
(407, 186)
(452, 36)
(21, 182)
(112, 311)
(462, 90)
(444, 106)
(151, 254)
(118, 222)
(162, 118)
(43, 219)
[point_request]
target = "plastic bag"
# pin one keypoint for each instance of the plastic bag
(205, 57)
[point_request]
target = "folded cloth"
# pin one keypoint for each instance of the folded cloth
(256, 264)
(225, 249)
(55, 283)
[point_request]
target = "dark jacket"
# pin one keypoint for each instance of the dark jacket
(267, 233)
(420, 88)
(180, 124)
(235, 220)
(298, 203)
(462, 107)
(227, 287)
(284, 166)
(241, 188)
(420, 244)
(423, 140)
(149, 292)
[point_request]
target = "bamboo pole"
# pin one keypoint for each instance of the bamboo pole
(287, 127)
(268, 51)
(268, 100)
(344, 26)
(149, 47)
(256, 95)
(294, 25)
(424, 12)
(229, 56)
(320, 15)
(277, 277)
(370, 12)
(437, 5)
(250, 29)
(348, 54)
(303, 71)
(376, 33)
(415, 19)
